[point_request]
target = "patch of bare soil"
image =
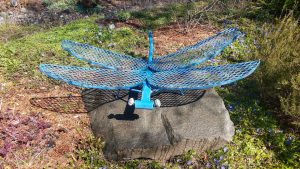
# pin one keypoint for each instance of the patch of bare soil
(113, 5)
(63, 111)
(36, 5)
(170, 38)
(34, 12)
(49, 147)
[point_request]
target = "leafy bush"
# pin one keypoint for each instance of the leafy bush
(280, 50)
(89, 153)
(278, 47)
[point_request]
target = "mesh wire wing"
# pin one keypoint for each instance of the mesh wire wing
(173, 72)
(196, 54)
(202, 78)
(107, 79)
(103, 58)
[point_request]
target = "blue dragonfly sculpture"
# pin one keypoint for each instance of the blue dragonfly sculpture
(172, 72)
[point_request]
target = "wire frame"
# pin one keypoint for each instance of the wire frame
(196, 54)
(202, 78)
(103, 58)
(97, 78)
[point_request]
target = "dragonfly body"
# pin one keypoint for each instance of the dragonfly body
(146, 102)
(172, 72)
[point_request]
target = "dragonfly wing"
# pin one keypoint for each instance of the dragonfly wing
(198, 53)
(98, 78)
(103, 58)
(201, 78)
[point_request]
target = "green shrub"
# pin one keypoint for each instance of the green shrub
(278, 48)
(89, 153)
(277, 45)
(280, 71)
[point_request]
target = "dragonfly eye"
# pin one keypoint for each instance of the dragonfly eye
(131, 102)
(157, 103)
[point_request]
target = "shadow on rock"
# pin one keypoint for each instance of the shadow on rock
(128, 112)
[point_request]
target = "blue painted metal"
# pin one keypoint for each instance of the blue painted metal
(136, 90)
(97, 78)
(196, 54)
(103, 58)
(150, 56)
(172, 72)
(201, 78)
(146, 102)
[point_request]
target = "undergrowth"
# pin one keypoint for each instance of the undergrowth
(259, 141)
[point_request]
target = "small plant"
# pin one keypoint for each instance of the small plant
(123, 15)
(89, 153)
(124, 40)
(59, 5)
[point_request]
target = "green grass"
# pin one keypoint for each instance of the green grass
(20, 56)
(10, 32)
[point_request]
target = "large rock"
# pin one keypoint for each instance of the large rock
(197, 120)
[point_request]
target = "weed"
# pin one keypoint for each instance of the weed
(89, 153)
(59, 5)
(123, 15)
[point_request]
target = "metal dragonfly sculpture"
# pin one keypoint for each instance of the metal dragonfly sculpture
(172, 72)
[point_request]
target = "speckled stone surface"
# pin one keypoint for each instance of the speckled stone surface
(197, 120)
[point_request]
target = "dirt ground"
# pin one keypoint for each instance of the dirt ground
(5, 5)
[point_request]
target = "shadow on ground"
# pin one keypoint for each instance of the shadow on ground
(92, 98)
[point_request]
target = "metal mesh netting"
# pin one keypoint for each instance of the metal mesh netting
(94, 78)
(196, 54)
(103, 58)
(202, 78)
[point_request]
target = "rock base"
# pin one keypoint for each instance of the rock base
(197, 120)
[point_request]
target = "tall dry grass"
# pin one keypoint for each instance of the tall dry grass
(279, 75)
